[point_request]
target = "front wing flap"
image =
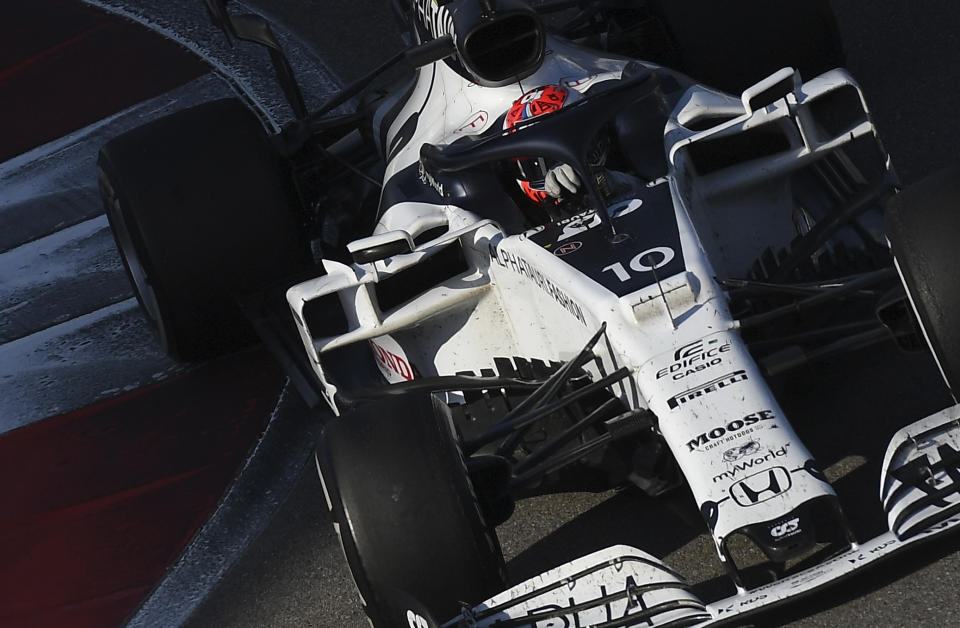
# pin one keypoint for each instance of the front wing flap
(618, 584)
(624, 586)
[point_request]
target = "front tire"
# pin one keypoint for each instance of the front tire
(408, 518)
(923, 227)
(203, 210)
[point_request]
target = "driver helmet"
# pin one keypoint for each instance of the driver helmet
(532, 172)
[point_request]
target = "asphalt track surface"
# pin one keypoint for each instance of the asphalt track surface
(907, 61)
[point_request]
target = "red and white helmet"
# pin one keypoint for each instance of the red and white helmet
(536, 102)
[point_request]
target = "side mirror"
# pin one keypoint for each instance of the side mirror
(380, 246)
(433, 50)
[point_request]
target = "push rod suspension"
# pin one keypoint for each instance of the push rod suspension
(848, 288)
(504, 428)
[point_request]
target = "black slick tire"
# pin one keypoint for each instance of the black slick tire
(202, 210)
(406, 512)
(923, 227)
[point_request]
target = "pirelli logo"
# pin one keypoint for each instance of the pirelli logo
(705, 389)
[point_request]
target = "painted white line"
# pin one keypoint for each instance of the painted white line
(78, 362)
(19, 356)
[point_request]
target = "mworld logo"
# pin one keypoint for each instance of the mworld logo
(736, 428)
(705, 389)
(693, 358)
(746, 465)
(761, 486)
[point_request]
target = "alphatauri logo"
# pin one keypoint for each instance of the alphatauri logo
(786, 528)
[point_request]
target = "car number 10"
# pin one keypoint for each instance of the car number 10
(644, 262)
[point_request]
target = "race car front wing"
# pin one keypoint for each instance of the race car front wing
(624, 586)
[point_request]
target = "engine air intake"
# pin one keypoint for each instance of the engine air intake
(498, 47)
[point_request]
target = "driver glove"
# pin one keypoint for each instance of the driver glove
(560, 179)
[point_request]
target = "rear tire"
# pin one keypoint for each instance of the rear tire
(202, 210)
(405, 509)
(732, 45)
(923, 227)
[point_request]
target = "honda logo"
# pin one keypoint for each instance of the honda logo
(761, 486)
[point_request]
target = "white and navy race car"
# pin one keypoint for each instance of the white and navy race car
(547, 261)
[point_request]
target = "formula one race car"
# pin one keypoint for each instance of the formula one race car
(547, 262)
